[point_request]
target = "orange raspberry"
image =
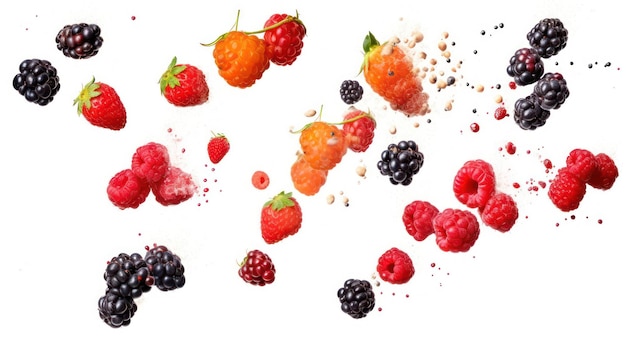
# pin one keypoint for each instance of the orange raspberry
(323, 145)
(306, 179)
(390, 73)
(241, 58)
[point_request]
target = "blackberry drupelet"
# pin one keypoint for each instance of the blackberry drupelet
(351, 91)
(525, 66)
(528, 113)
(548, 37)
(128, 275)
(551, 91)
(357, 298)
(37, 81)
(400, 162)
(166, 268)
(115, 310)
(79, 41)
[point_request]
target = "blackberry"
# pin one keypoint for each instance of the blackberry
(525, 66)
(128, 275)
(115, 310)
(37, 81)
(401, 162)
(166, 268)
(551, 91)
(528, 113)
(79, 41)
(357, 298)
(548, 37)
(351, 91)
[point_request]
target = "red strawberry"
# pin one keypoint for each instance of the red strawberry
(218, 147)
(605, 173)
(500, 212)
(566, 190)
(126, 190)
(359, 129)
(101, 106)
(280, 218)
(151, 162)
(456, 230)
(177, 186)
(418, 219)
(474, 183)
(257, 268)
(284, 35)
(395, 266)
(184, 85)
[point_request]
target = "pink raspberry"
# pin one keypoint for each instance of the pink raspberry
(566, 190)
(177, 186)
(474, 183)
(418, 219)
(456, 230)
(605, 173)
(151, 162)
(126, 190)
(395, 266)
(581, 163)
(500, 212)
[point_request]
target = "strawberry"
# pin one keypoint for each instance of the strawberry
(184, 85)
(177, 186)
(280, 217)
(218, 147)
(359, 129)
(101, 106)
(284, 35)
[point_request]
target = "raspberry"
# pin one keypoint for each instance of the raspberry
(605, 174)
(126, 190)
(528, 113)
(400, 162)
(177, 186)
(456, 230)
(418, 219)
(323, 145)
(128, 275)
(357, 298)
(351, 91)
(525, 66)
(166, 268)
(551, 91)
(395, 266)
(79, 41)
(581, 163)
(285, 41)
(260, 180)
(257, 269)
(474, 183)
(306, 179)
(37, 81)
(548, 37)
(359, 128)
(151, 162)
(566, 190)
(241, 58)
(500, 212)
(115, 310)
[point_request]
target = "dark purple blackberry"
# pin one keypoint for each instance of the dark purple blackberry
(115, 310)
(400, 162)
(79, 41)
(37, 81)
(128, 275)
(528, 113)
(351, 91)
(548, 37)
(525, 66)
(166, 268)
(551, 91)
(357, 298)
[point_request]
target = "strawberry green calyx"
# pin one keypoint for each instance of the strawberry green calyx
(280, 201)
(169, 77)
(89, 91)
(369, 43)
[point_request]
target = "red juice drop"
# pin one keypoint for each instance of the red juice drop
(474, 127)
(516, 185)
(500, 113)
(510, 148)
(512, 85)
(432, 264)
(547, 163)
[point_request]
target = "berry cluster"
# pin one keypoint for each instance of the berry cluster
(582, 168)
(257, 268)
(130, 276)
(37, 81)
(351, 91)
(184, 85)
(150, 171)
(80, 40)
(357, 298)
(395, 266)
(400, 162)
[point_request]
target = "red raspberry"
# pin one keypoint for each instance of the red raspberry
(581, 163)
(500, 212)
(151, 162)
(566, 190)
(474, 183)
(176, 187)
(359, 129)
(605, 174)
(126, 190)
(285, 41)
(257, 268)
(456, 230)
(395, 266)
(418, 219)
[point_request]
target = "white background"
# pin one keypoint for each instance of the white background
(553, 282)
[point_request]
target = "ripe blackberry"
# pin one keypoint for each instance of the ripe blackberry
(551, 91)
(357, 298)
(401, 162)
(166, 268)
(548, 37)
(528, 113)
(128, 275)
(115, 310)
(37, 81)
(351, 91)
(525, 66)
(79, 41)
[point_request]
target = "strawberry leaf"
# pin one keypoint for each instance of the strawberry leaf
(280, 201)
(169, 78)
(89, 91)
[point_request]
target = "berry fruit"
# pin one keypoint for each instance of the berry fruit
(400, 162)
(241, 58)
(166, 267)
(418, 219)
(151, 162)
(218, 147)
(351, 91)
(525, 66)
(260, 180)
(306, 179)
(500, 212)
(456, 230)
(357, 298)
(395, 266)
(176, 187)
(257, 268)
(115, 310)
(528, 113)
(284, 36)
(184, 85)
(280, 217)
(548, 37)
(474, 183)
(323, 145)
(79, 41)
(605, 174)
(566, 190)
(101, 106)
(128, 275)
(37, 81)
(127, 190)
(581, 163)
(358, 127)
(551, 91)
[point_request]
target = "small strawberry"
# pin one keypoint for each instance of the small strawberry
(126, 190)
(359, 129)
(177, 186)
(284, 35)
(184, 85)
(101, 106)
(280, 218)
(218, 147)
